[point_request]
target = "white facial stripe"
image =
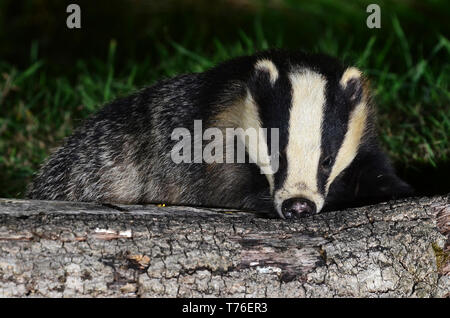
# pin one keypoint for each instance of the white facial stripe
(268, 66)
(305, 134)
(250, 119)
(244, 114)
(352, 140)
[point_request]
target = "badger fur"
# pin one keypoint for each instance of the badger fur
(328, 155)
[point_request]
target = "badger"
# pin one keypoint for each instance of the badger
(321, 112)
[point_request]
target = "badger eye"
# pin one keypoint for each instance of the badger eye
(326, 163)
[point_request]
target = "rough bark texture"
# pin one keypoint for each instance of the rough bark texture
(54, 249)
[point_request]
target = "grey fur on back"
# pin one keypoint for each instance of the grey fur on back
(122, 153)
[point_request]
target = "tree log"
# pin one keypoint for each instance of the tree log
(66, 249)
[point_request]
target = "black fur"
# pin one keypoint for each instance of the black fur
(368, 180)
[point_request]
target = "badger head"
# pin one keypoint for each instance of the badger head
(328, 152)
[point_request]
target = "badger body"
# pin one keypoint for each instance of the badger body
(328, 153)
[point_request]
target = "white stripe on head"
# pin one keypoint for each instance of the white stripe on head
(305, 135)
(259, 154)
(244, 114)
(349, 148)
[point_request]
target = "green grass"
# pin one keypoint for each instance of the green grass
(38, 108)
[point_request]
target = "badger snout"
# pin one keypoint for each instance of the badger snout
(295, 208)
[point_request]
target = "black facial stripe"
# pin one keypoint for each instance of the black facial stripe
(281, 175)
(274, 103)
(336, 117)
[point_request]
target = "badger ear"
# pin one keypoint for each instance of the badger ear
(267, 68)
(352, 84)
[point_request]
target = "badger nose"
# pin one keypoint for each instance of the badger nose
(297, 208)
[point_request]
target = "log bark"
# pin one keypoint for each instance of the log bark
(66, 249)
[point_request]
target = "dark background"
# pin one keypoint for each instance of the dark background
(138, 25)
